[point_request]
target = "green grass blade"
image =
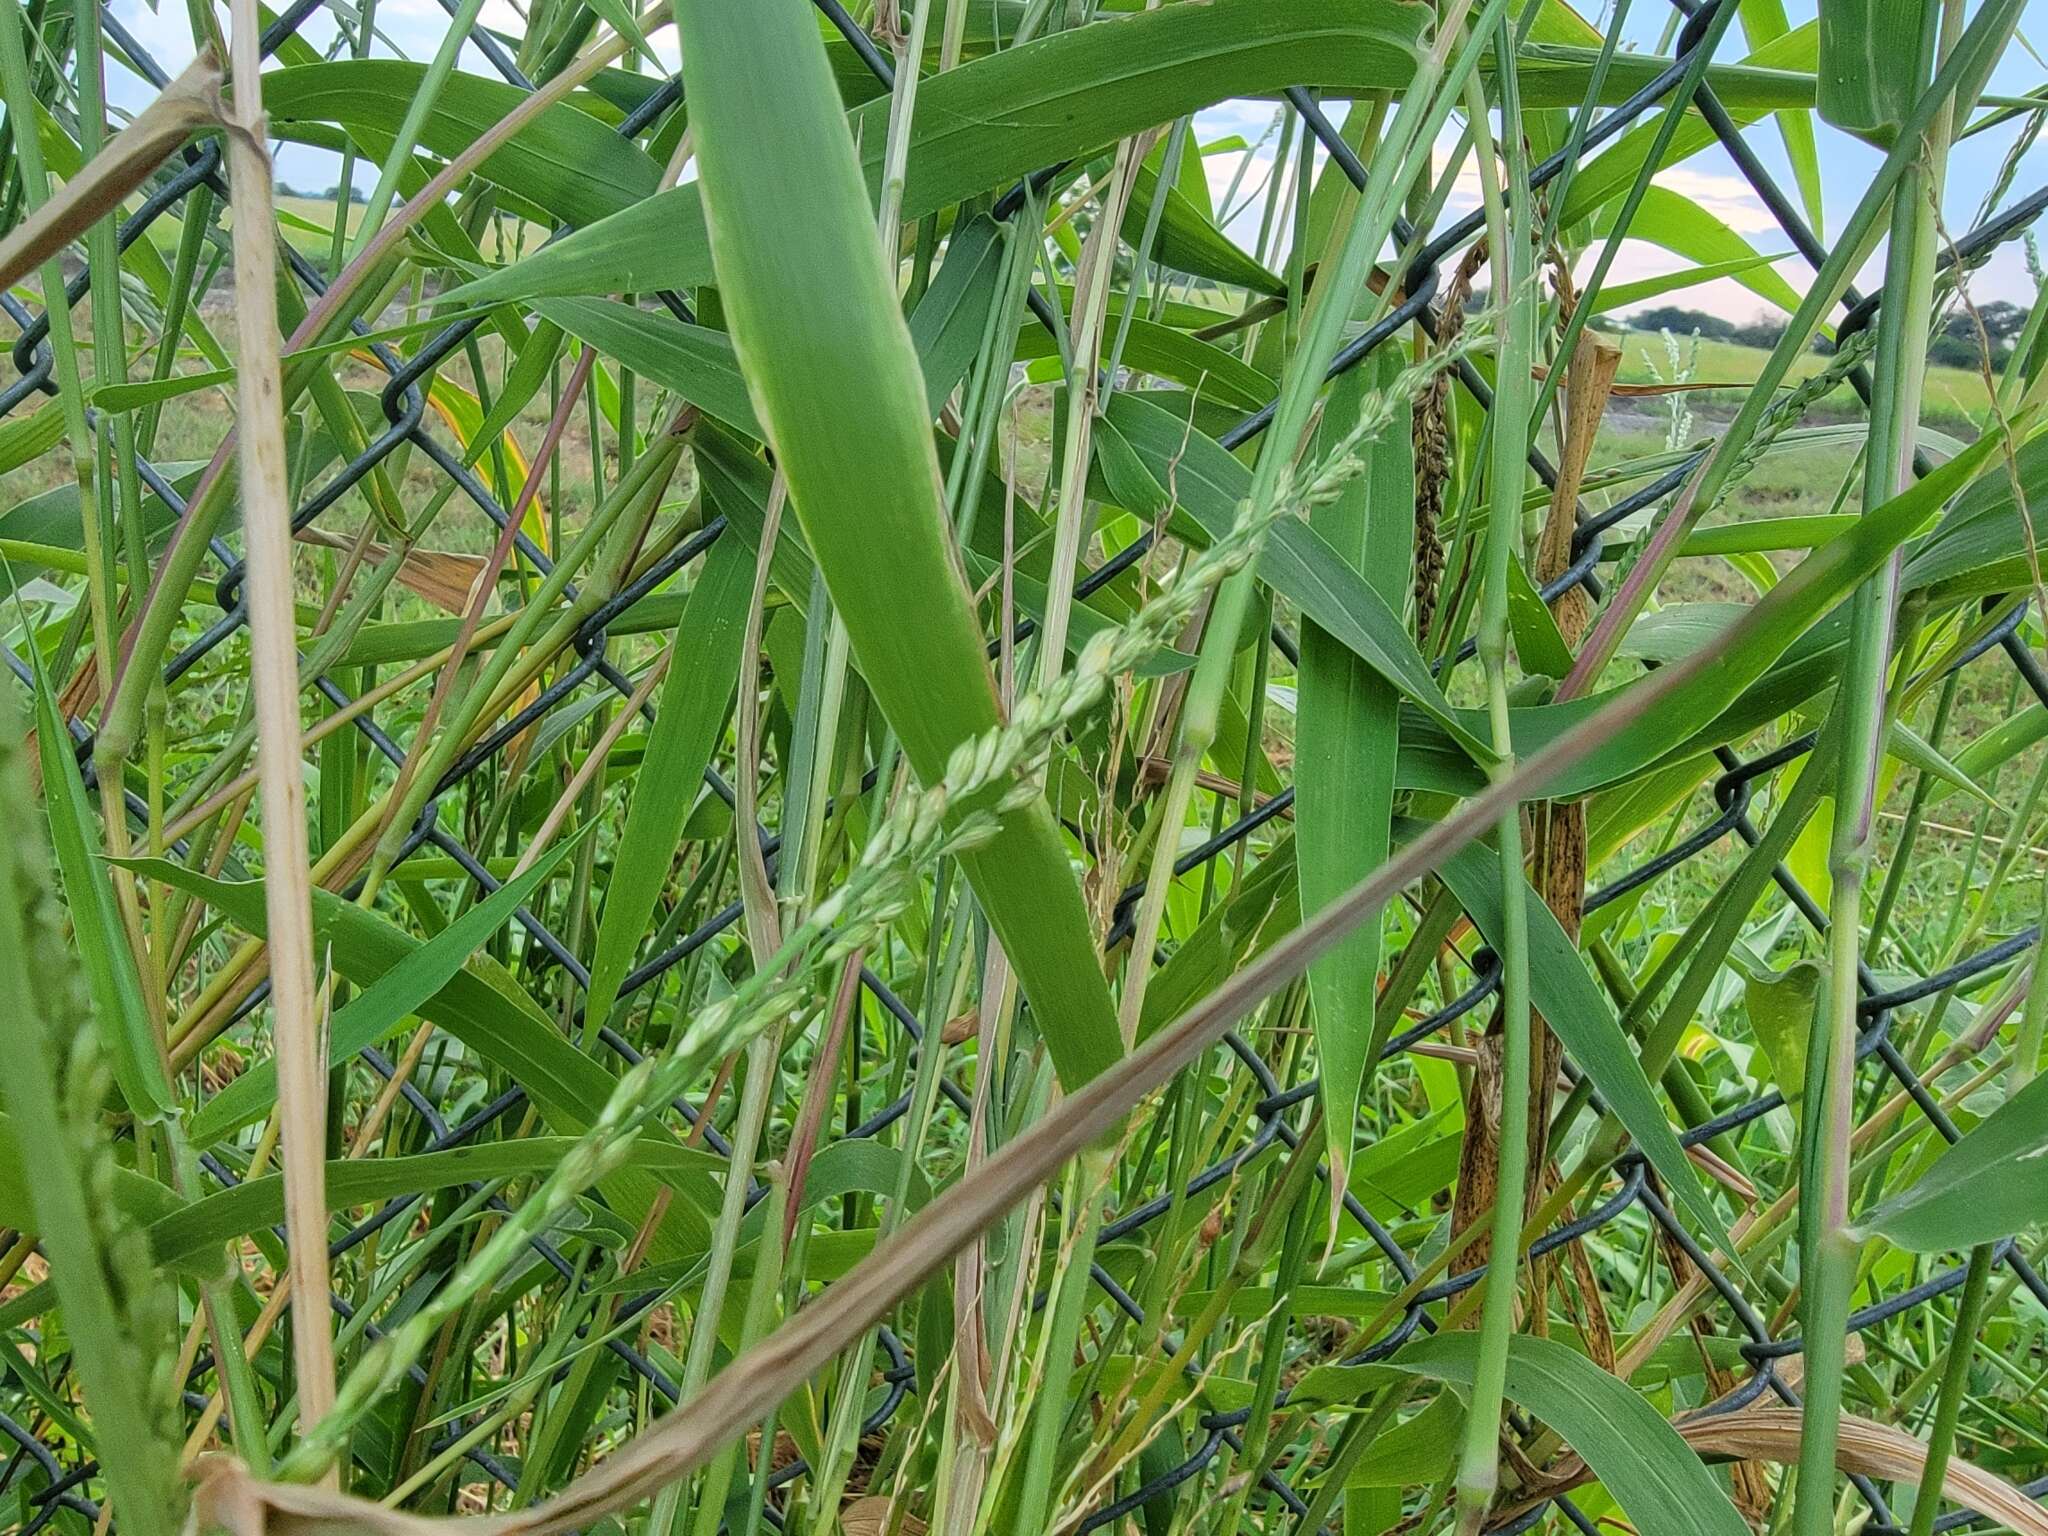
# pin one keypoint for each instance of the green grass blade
(1764, 21)
(1656, 1478)
(1696, 234)
(1298, 563)
(835, 380)
(1578, 1011)
(993, 120)
(565, 163)
(1346, 739)
(199, 1230)
(1864, 86)
(696, 698)
(119, 1011)
(1984, 1188)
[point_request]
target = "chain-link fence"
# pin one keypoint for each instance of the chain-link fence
(1278, 1112)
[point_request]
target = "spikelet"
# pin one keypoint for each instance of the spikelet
(986, 777)
(1786, 411)
(125, 1311)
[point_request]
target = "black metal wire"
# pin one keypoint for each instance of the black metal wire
(403, 404)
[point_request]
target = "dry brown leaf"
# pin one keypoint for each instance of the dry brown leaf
(1874, 1450)
(1792, 1371)
(1647, 391)
(297, 1000)
(869, 1516)
(1722, 1172)
(444, 578)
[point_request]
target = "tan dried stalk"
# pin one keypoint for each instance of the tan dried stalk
(274, 668)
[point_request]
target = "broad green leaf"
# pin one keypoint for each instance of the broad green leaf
(947, 325)
(1578, 1011)
(1986, 1187)
(1252, 1303)
(565, 162)
(739, 485)
(1764, 21)
(1269, 907)
(1696, 234)
(1072, 93)
(1614, 296)
(1158, 1460)
(862, 1166)
(693, 360)
(1788, 659)
(1781, 1007)
(1170, 353)
(1614, 171)
(411, 639)
(1998, 745)
(1298, 563)
(1660, 1484)
(818, 354)
(1986, 544)
(1403, 1172)
(981, 126)
(696, 699)
(137, 393)
(51, 517)
(24, 439)
(1914, 750)
(697, 362)
(1414, 1452)
(1539, 644)
(1347, 734)
(1866, 84)
(1265, 906)
(1188, 239)
(1800, 531)
(532, 362)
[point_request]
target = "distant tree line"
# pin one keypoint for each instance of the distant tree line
(355, 194)
(1958, 346)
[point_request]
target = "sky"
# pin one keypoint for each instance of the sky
(1709, 179)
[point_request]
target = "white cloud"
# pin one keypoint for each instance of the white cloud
(1729, 198)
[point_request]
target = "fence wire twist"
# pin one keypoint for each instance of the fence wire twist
(403, 404)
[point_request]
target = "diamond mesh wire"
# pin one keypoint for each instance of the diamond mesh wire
(1634, 1195)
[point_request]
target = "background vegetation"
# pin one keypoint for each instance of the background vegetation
(859, 787)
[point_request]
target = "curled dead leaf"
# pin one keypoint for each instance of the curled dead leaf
(1872, 1449)
(444, 578)
(869, 1516)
